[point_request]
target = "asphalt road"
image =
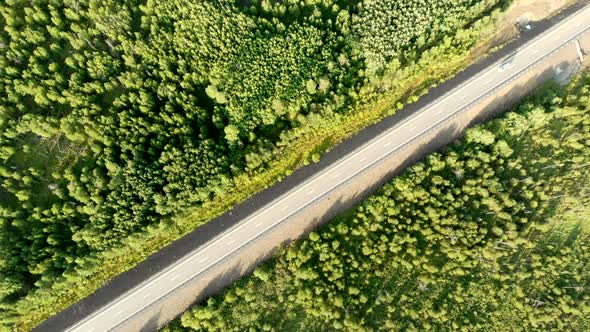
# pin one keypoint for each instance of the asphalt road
(250, 228)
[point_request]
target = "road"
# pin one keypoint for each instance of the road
(249, 229)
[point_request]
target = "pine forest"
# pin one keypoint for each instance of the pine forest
(126, 124)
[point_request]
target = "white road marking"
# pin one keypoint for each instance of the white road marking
(310, 191)
(232, 241)
(363, 159)
(175, 277)
(117, 314)
(284, 207)
(413, 128)
(146, 295)
(202, 260)
(387, 144)
(258, 224)
(337, 175)
(535, 51)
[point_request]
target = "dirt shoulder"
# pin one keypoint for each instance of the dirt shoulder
(521, 13)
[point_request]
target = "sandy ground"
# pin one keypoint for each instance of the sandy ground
(523, 12)
(535, 10)
(585, 44)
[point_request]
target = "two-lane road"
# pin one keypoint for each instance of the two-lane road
(127, 305)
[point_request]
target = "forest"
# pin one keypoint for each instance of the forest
(118, 119)
(490, 234)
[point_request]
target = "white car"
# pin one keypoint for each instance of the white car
(508, 61)
(505, 66)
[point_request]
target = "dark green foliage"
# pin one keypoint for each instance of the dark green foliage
(116, 115)
(492, 234)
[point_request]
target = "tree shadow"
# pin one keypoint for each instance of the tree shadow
(151, 324)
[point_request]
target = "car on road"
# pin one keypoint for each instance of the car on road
(507, 61)
(505, 65)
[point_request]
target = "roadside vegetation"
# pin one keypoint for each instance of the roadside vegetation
(490, 234)
(126, 124)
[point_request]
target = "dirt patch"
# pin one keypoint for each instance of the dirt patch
(535, 10)
(523, 12)
(585, 45)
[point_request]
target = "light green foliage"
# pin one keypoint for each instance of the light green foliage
(118, 115)
(392, 30)
(491, 234)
